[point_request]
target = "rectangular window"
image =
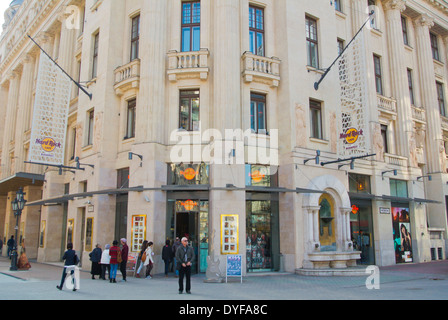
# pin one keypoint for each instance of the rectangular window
(371, 4)
(316, 119)
(337, 5)
(135, 37)
(398, 188)
(434, 46)
(340, 46)
(189, 110)
(411, 86)
(130, 125)
(378, 77)
(73, 152)
(95, 55)
(258, 113)
(404, 28)
(191, 26)
(384, 136)
(311, 42)
(256, 30)
(91, 121)
(441, 98)
(358, 183)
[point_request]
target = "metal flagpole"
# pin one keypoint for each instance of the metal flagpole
(76, 82)
(316, 84)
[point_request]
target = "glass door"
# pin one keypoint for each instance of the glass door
(361, 227)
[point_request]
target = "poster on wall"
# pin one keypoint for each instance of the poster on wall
(401, 227)
(138, 232)
(229, 234)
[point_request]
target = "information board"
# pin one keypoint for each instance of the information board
(234, 265)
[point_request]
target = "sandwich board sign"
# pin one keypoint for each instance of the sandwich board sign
(234, 266)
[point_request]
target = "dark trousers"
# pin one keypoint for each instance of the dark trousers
(64, 275)
(103, 271)
(187, 272)
(123, 269)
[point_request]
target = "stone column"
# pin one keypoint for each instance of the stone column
(10, 123)
(399, 80)
(313, 228)
(23, 110)
(434, 141)
(346, 235)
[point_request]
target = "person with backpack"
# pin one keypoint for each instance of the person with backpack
(115, 260)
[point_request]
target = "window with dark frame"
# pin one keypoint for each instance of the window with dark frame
(73, 152)
(95, 55)
(378, 76)
(312, 42)
(90, 127)
(371, 3)
(384, 136)
(258, 121)
(404, 28)
(337, 5)
(135, 37)
(441, 98)
(191, 26)
(316, 119)
(256, 30)
(189, 110)
(434, 46)
(411, 86)
(130, 124)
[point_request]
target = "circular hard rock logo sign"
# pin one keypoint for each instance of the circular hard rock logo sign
(351, 135)
(48, 144)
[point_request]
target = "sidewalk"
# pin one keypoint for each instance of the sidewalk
(427, 281)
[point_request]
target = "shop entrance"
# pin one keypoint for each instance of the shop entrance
(361, 226)
(189, 218)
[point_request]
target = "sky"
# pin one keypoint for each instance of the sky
(4, 4)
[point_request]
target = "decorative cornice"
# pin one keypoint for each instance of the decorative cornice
(425, 21)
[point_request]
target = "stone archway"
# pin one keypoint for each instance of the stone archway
(342, 255)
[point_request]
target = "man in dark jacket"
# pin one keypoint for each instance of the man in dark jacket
(124, 257)
(167, 256)
(184, 256)
(71, 259)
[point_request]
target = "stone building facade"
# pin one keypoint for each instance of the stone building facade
(156, 152)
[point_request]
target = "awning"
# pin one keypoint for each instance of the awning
(396, 199)
(426, 200)
(20, 180)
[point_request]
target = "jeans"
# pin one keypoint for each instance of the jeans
(113, 270)
(175, 267)
(167, 266)
(187, 272)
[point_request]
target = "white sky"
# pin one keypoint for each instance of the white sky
(4, 4)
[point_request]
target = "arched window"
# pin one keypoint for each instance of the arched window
(327, 235)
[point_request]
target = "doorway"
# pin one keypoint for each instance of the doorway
(189, 218)
(361, 226)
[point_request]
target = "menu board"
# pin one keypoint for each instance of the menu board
(229, 234)
(138, 232)
(234, 266)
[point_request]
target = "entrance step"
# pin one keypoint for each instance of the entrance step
(329, 272)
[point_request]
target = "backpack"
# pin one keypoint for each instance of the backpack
(119, 258)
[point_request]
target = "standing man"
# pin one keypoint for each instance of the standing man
(176, 245)
(124, 257)
(11, 243)
(184, 257)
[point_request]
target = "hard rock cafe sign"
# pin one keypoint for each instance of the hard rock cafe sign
(350, 137)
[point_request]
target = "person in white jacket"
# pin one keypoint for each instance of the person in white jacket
(149, 262)
(105, 262)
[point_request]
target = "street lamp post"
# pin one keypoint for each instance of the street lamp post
(17, 206)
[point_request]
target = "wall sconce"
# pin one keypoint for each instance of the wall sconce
(428, 176)
(316, 158)
(394, 171)
(130, 154)
(352, 165)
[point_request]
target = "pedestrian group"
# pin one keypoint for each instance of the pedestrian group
(178, 256)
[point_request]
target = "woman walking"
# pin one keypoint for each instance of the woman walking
(142, 257)
(149, 263)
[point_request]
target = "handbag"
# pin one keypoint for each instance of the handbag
(119, 258)
(144, 257)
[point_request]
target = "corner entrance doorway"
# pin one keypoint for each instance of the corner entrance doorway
(189, 218)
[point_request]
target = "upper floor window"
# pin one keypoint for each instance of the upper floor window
(96, 41)
(378, 76)
(191, 26)
(258, 112)
(404, 29)
(441, 98)
(135, 37)
(311, 42)
(338, 5)
(256, 30)
(411, 86)
(189, 110)
(131, 112)
(434, 46)
(316, 119)
(91, 121)
(372, 6)
(384, 137)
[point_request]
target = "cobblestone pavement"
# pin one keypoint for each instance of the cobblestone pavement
(426, 281)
